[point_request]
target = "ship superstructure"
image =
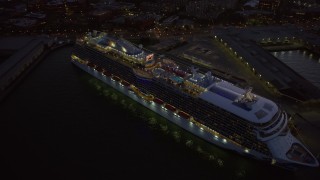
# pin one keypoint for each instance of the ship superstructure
(207, 106)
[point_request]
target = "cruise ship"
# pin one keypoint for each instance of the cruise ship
(210, 107)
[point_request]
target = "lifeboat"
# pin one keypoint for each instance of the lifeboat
(158, 101)
(125, 83)
(116, 78)
(170, 107)
(183, 114)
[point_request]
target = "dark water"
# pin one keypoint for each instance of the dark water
(61, 123)
(303, 62)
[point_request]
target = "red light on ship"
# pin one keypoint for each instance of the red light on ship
(149, 57)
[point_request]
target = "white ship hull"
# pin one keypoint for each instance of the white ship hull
(171, 116)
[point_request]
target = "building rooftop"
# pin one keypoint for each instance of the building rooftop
(13, 50)
(246, 43)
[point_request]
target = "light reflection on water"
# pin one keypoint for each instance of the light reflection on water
(303, 62)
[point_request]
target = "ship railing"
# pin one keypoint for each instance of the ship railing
(268, 136)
